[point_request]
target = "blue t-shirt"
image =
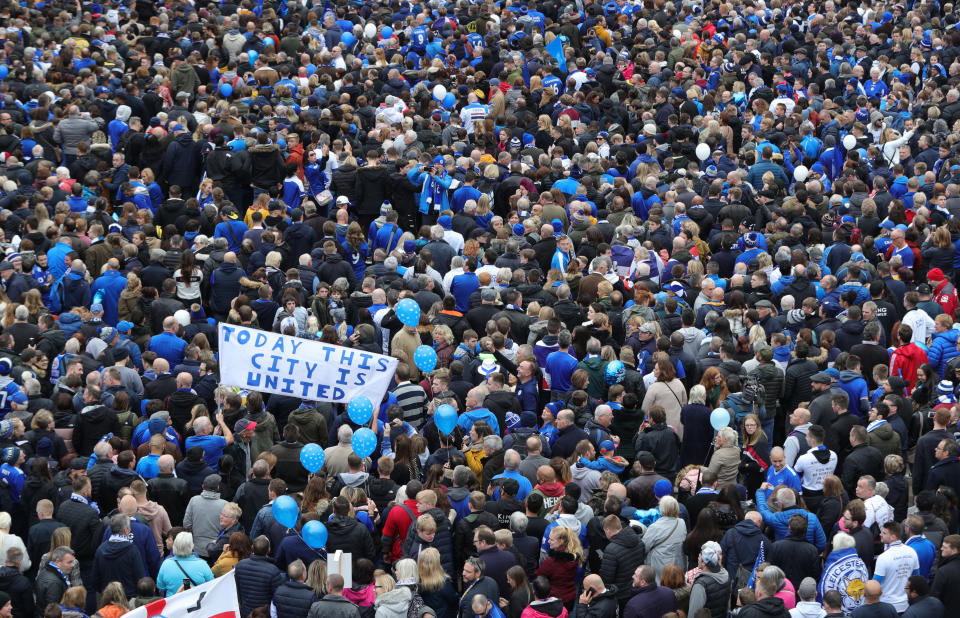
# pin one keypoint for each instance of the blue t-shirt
(147, 467)
(212, 448)
(560, 367)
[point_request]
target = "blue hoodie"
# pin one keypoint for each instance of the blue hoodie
(77, 203)
(855, 386)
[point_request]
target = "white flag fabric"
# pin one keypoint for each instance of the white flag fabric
(274, 363)
(213, 599)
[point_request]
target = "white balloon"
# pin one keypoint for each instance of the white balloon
(370, 31)
(439, 92)
(849, 142)
(800, 173)
(703, 151)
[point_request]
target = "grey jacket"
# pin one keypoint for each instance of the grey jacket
(663, 541)
(393, 604)
(334, 606)
(73, 130)
(202, 518)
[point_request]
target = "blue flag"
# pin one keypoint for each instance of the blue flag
(761, 557)
(555, 49)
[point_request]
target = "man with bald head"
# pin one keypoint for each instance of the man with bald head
(534, 459)
(569, 434)
(548, 489)
(872, 606)
(225, 285)
(168, 344)
(596, 599)
(741, 544)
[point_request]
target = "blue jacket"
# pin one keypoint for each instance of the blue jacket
(257, 580)
(780, 521)
(420, 178)
(233, 231)
(77, 203)
(171, 577)
(462, 287)
(168, 346)
(757, 170)
(942, 348)
(147, 544)
(110, 284)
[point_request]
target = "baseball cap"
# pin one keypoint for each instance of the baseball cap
(343, 199)
(124, 326)
(607, 446)
(648, 328)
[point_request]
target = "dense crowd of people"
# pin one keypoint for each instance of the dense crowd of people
(687, 270)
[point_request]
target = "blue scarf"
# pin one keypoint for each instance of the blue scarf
(436, 190)
(60, 571)
(90, 503)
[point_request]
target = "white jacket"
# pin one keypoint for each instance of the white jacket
(891, 149)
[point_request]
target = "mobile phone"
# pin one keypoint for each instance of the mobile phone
(186, 583)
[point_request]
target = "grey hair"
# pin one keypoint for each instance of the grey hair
(493, 442)
(519, 522)
(462, 475)
(21, 312)
(841, 540)
(698, 394)
(511, 460)
(344, 434)
(786, 498)
(119, 523)
(183, 545)
(60, 553)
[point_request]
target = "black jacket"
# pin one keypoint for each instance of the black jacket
(50, 586)
(946, 584)
(602, 605)
(266, 166)
(797, 557)
(863, 460)
(621, 557)
(171, 493)
(664, 443)
(18, 587)
(770, 607)
(93, 423)
(351, 536)
(84, 524)
(372, 189)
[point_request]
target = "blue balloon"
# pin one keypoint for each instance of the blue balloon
(360, 410)
(226, 90)
(348, 39)
(719, 419)
(364, 442)
(314, 534)
(253, 55)
(445, 418)
(286, 511)
(312, 457)
(408, 312)
(449, 100)
(268, 42)
(4, 71)
(387, 32)
(425, 358)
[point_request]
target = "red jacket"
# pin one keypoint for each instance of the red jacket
(396, 526)
(946, 296)
(904, 363)
(561, 569)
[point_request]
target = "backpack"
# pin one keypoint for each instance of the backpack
(128, 422)
(754, 393)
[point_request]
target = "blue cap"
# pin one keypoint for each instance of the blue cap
(607, 446)
(96, 308)
(887, 224)
(124, 326)
(409, 246)
(518, 229)
(557, 225)
(178, 127)
(103, 90)
(439, 160)
(444, 222)
(833, 372)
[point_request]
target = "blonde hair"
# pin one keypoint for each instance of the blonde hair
(385, 582)
(570, 541)
(431, 576)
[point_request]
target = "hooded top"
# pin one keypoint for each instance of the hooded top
(394, 604)
(123, 113)
(545, 608)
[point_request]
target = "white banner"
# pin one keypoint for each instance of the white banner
(214, 599)
(273, 363)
